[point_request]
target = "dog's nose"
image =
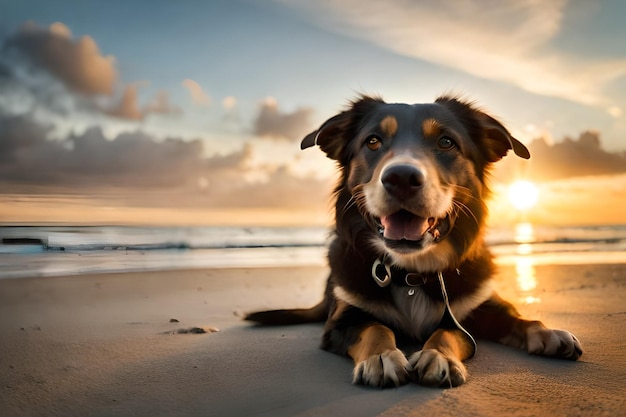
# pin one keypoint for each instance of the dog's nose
(402, 181)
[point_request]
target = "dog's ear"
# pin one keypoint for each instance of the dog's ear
(498, 140)
(329, 136)
(336, 132)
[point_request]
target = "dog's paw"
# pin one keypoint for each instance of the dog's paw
(433, 368)
(388, 369)
(554, 343)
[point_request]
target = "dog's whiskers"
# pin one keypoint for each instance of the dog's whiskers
(351, 202)
(464, 191)
(358, 200)
(358, 196)
(461, 207)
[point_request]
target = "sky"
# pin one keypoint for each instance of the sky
(191, 112)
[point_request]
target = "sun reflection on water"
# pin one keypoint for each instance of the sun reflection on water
(524, 233)
(524, 262)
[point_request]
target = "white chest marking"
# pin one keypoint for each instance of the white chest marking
(416, 315)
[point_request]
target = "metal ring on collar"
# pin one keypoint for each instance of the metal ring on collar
(415, 279)
(384, 280)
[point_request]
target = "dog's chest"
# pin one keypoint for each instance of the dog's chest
(416, 314)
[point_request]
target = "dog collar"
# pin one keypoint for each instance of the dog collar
(385, 274)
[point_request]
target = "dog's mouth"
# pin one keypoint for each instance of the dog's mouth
(404, 229)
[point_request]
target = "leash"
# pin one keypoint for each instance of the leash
(382, 274)
(448, 321)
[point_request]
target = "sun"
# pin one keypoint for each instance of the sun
(523, 194)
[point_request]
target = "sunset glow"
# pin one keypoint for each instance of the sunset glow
(97, 129)
(523, 195)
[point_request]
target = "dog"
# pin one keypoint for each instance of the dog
(408, 260)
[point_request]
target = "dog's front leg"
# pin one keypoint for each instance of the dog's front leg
(377, 360)
(439, 363)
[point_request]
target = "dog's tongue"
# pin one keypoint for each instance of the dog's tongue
(404, 225)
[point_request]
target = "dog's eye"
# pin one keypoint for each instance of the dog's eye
(446, 143)
(374, 143)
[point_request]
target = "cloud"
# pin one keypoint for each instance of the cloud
(5, 71)
(281, 189)
(231, 115)
(570, 158)
(128, 105)
(70, 76)
(574, 158)
(499, 40)
(77, 63)
(90, 160)
(274, 123)
(229, 103)
(135, 164)
(18, 135)
(198, 96)
(615, 111)
(161, 104)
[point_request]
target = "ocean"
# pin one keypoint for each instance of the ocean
(30, 251)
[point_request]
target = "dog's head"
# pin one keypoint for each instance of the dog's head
(415, 174)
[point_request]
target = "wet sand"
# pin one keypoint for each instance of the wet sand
(107, 345)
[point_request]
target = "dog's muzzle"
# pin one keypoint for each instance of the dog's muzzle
(404, 229)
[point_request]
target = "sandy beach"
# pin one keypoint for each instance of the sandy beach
(108, 345)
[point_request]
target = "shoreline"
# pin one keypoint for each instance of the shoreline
(58, 264)
(102, 345)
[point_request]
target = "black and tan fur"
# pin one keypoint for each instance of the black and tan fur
(412, 195)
